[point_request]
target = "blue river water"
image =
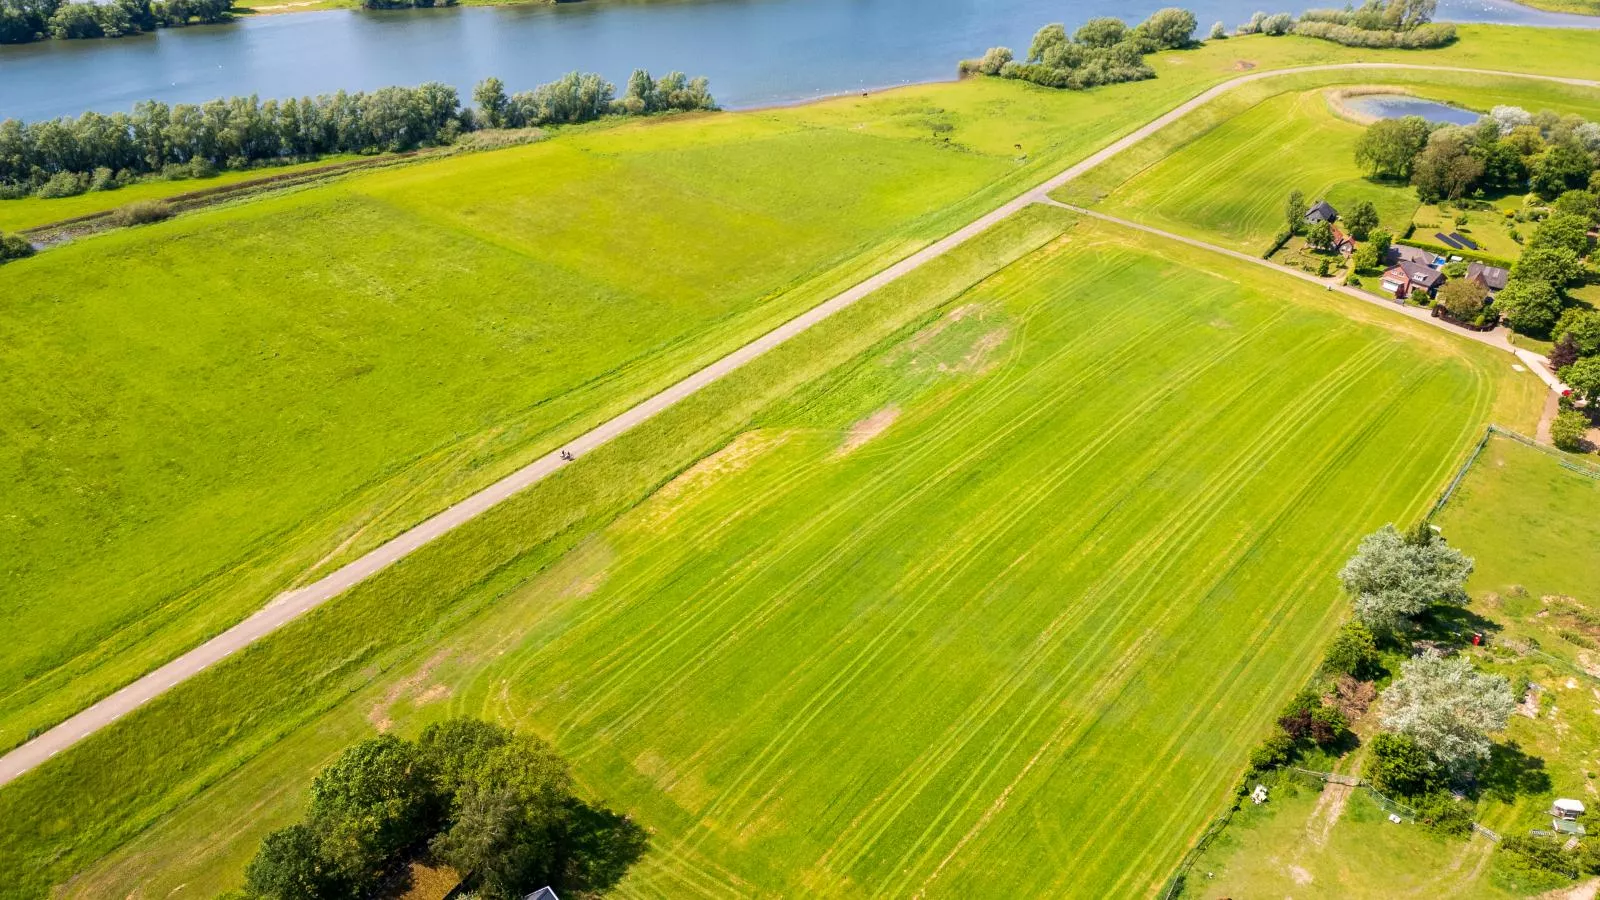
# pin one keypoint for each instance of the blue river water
(756, 52)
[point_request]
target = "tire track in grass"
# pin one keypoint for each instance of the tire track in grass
(858, 537)
(1239, 549)
(989, 530)
(1180, 525)
(1183, 735)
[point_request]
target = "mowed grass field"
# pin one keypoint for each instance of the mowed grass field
(1224, 173)
(992, 605)
(204, 412)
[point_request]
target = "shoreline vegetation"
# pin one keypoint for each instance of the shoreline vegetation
(1106, 50)
(56, 158)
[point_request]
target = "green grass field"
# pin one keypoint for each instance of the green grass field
(279, 384)
(203, 412)
(914, 615)
(1224, 173)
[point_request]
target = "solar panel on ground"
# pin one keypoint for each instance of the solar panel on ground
(1446, 240)
(1466, 242)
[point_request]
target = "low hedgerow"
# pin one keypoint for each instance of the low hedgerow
(1434, 34)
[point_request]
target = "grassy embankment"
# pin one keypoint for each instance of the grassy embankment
(161, 376)
(943, 581)
(1527, 521)
(539, 289)
(1223, 173)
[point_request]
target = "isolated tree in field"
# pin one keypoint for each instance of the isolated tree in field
(1319, 236)
(1354, 651)
(1448, 707)
(1583, 377)
(1361, 220)
(1398, 765)
(1392, 580)
(510, 814)
(1530, 306)
(490, 96)
(1294, 212)
(1389, 147)
(1219, 32)
(289, 866)
(1463, 299)
(1169, 29)
(1569, 429)
(374, 800)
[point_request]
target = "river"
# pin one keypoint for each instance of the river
(756, 52)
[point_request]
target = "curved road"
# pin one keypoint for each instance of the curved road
(288, 606)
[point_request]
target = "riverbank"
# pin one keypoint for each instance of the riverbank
(1572, 7)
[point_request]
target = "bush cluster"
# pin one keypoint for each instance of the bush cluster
(1434, 34)
(1398, 24)
(24, 21)
(14, 246)
(1103, 51)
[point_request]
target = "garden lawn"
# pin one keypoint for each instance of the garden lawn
(991, 604)
(1224, 173)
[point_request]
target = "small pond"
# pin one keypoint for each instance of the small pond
(1398, 106)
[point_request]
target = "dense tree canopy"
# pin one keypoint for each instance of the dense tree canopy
(22, 21)
(1389, 147)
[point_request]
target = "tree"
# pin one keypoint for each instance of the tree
(1354, 651)
(992, 61)
(509, 818)
(1555, 266)
(1362, 219)
(1581, 326)
(1569, 430)
(1446, 167)
(1389, 147)
(1564, 353)
(289, 866)
(1219, 32)
(14, 246)
(1397, 764)
(1045, 40)
(1169, 29)
(374, 800)
(1448, 707)
(1585, 204)
(1463, 299)
(1530, 306)
(1391, 580)
(1562, 231)
(1102, 31)
(1583, 377)
(1319, 236)
(1562, 168)
(1294, 212)
(451, 750)
(490, 96)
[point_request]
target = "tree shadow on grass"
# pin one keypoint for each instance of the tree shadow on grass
(601, 846)
(1452, 626)
(1511, 773)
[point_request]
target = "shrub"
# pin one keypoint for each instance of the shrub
(1277, 24)
(144, 212)
(1219, 32)
(1398, 765)
(1444, 813)
(1535, 854)
(1568, 430)
(1436, 34)
(62, 184)
(1354, 652)
(14, 246)
(1276, 750)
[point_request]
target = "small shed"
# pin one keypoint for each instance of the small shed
(1564, 808)
(1321, 211)
(543, 893)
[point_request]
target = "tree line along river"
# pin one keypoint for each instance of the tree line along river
(756, 52)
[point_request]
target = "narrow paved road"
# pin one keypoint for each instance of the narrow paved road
(289, 606)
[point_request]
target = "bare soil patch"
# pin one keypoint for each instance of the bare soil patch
(869, 428)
